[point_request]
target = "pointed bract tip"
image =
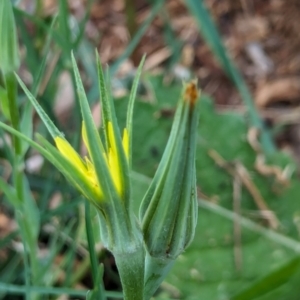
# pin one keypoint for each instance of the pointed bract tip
(191, 93)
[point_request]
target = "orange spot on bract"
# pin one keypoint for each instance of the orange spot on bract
(191, 93)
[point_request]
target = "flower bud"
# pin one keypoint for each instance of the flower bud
(169, 209)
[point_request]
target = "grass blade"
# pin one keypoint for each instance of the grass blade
(213, 38)
(270, 281)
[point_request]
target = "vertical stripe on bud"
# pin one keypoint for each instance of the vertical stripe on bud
(169, 209)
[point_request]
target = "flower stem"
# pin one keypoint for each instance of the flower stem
(156, 269)
(131, 270)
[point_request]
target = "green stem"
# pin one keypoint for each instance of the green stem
(19, 181)
(156, 269)
(98, 290)
(121, 234)
(11, 86)
(131, 270)
(26, 260)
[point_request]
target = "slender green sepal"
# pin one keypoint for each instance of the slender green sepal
(109, 123)
(94, 143)
(46, 120)
(186, 219)
(105, 110)
(159, 178)
(131, 102)
(159, 219)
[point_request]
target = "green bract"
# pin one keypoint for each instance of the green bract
(169, 209)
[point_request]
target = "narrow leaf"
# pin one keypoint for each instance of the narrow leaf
(212, 37)
(10, 193)
(105, 108)
(270, 281)
(26, 126)
(131, 101)
(48, 123)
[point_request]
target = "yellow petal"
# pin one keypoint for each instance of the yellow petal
(113, 160)
(91, 174)
(87, 169)
(69, 153)
(86, 143)
(114, 170)
(84, 137)
(111, 137)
